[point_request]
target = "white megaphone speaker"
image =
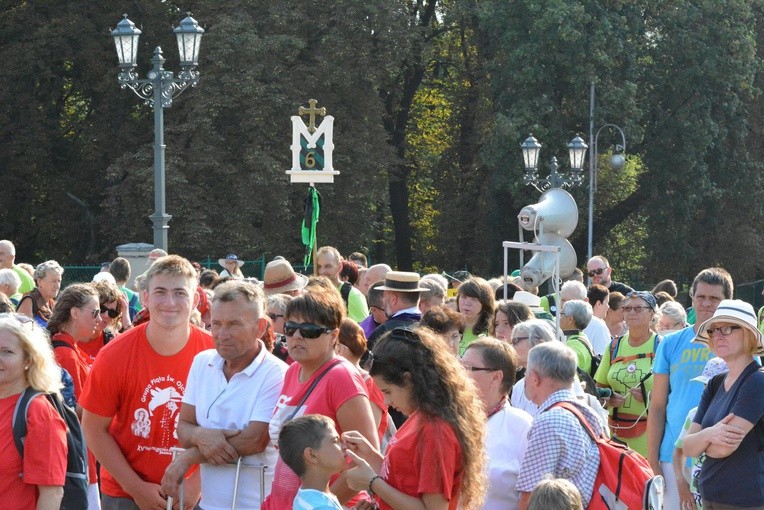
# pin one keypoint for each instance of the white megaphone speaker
(555, 213)
(541, 266)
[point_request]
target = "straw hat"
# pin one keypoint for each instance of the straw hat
(734, 311)
(279, 277)
(402, 281)
(229, 258)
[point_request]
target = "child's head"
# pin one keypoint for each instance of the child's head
(311, 440)
(555, 494)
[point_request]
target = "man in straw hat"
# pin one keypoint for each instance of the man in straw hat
(280, 278)
(400, 298)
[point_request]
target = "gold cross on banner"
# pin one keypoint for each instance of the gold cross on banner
(312, 111)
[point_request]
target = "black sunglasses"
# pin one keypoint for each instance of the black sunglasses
(307, 330)
(596, 272)
(113, 314)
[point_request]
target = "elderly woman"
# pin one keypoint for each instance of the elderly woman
(727, 427)
(318, 382)
(9, 285)
(474, 300)
(38, 303)
(626, 369)
(26, 359)
(492, 365)
(673, 317)
(509, 314)
(526, 335)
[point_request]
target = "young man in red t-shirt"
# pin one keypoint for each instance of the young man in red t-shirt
(131, 401)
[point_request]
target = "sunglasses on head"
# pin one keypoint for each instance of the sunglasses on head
(596, 272)
(113, 314)
(405, 333)
(307, 330)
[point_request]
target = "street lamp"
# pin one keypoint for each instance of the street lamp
(158, 90)
(617, 162)
(531, 150)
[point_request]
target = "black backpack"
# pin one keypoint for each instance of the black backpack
(76, 484)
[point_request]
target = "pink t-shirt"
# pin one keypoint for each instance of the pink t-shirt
(339, 385)
(141, 390)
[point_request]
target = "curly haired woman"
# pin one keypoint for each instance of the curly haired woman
(436, 460)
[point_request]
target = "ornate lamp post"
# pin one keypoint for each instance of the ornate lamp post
(577, 152)
(617, 162)
(158, 90)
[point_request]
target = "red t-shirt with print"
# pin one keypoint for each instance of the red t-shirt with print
(45, 450)
(424, 457)
(142, 391)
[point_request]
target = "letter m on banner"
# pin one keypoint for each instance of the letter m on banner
(312, 148)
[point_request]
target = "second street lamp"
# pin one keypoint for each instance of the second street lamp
(158, 90)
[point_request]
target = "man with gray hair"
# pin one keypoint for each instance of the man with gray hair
(7, 259)
(375, 273)
(558, 445)
(574, 318)
(9, 285)
(597, 331)
(230, 395)
(377, 315)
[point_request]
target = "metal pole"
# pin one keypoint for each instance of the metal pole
(160, 219)
(592, 163)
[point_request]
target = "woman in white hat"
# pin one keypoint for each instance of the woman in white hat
(231, 266)
(729, 425)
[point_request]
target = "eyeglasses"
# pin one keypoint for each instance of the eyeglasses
(596, 272)
(93, 313)
(724, 330)
(275, 316)
(113, 312)
(478, 369)
(307, 330)
(519, 339)
(636, 309)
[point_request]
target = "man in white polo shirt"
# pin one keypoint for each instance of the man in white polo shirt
(230, 395)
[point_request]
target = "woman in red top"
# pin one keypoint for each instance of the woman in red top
(76, 317)
(26, 359)
(436, 460)
(352, 347)
(114, 317)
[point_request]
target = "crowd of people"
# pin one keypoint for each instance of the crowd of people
(368, 388)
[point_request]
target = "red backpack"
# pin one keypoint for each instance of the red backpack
(625, 480)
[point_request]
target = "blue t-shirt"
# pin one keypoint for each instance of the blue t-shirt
(735, 480)
(311, 499)
(681, 359)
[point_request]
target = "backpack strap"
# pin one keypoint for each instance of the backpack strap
(625, 359)
(614, 346)
(345, 291)
(61, 343)
(20, 413)
(581, 418)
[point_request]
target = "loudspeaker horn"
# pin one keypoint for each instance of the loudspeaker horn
(541, 266)
(555, 213)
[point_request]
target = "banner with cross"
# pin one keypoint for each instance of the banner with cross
(312, 146)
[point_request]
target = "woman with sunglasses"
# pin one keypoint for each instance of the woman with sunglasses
(26, 360)
(436, 460)
(318, 382)
(492, 364)
(728, 426)
(76, 317)
(112, 303)
(626, 369)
